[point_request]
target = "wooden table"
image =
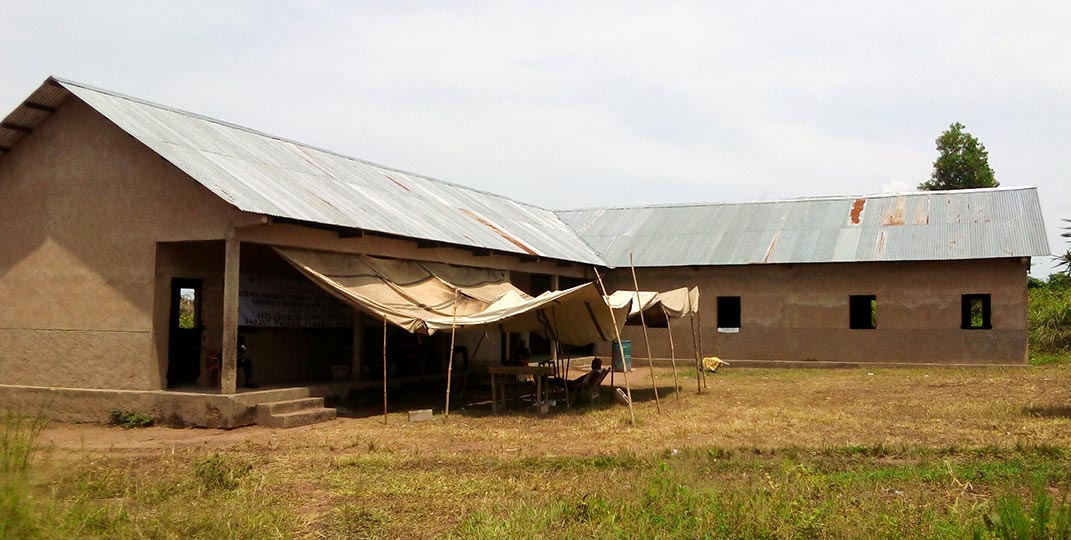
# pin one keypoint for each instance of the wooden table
(498, 386)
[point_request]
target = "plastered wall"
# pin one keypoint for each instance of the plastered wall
(82, 206)
(800, 312)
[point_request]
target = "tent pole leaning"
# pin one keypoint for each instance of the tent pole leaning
(384, 369)
(465, 381)
(672, 355)
(450, 360)
(695, 347)
(558, 354)
(620, 346)
(646, 340)
(699, 322)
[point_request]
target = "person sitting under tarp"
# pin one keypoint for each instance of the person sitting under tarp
(589, 383)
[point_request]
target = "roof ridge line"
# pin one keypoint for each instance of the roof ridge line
(796, 199)
(287, 140)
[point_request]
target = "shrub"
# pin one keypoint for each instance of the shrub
(1050, 319)
(129, 419)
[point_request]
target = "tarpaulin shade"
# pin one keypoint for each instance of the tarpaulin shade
(657, 307)
(420, 297)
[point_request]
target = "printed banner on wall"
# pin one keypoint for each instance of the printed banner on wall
(271, 302)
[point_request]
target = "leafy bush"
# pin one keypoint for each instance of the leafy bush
(1049, 318)
(129, 419)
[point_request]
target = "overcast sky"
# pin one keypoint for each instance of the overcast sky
(574, 104)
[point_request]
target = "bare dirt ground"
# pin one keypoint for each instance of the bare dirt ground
(742, 408)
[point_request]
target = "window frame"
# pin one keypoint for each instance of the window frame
(967, 308)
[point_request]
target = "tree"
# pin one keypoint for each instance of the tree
(962, 162)
(1064, 261)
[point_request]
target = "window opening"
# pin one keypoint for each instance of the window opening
(977, 312)
(863, 312)
(728, 314)
(188, 311)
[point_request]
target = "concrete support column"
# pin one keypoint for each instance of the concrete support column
(228, 373)
(356, 372)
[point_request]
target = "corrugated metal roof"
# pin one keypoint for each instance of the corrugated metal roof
(270, 175)
(920, 226)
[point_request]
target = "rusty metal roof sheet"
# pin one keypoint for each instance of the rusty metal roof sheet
(919, 226)
(264, 174)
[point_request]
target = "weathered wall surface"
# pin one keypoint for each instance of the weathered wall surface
(800, 312)
(83, 205)
(92, 229)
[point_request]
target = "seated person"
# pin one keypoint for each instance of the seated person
(588, 378)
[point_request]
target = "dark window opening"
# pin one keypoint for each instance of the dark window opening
(728, 312)
(977, 312)
(863, 312)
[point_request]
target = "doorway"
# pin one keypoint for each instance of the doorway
(184, 333)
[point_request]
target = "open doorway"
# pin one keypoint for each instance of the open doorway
(184, 333)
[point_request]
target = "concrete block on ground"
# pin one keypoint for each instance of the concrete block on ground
(421, 415)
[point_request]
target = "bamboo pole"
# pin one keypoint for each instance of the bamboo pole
(699, 323)
(620, 346)
(672, 355)
(646, 340)
(465, 381)
(695, 348)
(558, 354)
(384, 370)
(450, 360)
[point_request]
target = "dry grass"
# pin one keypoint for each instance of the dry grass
(794, 452)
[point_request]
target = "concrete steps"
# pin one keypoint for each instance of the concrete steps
(293, 412)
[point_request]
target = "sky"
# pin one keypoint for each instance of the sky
(578, 104)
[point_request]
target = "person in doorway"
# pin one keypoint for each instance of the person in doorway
(245, 363)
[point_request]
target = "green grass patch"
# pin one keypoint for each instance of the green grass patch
(129, 419)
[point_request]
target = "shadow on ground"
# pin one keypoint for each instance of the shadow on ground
(476, 401)
(1048, 412)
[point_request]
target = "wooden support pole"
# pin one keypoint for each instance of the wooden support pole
(228, 373)
(699, 323)
(646, 339)
(450, 360)
(562, 372)
(554, 344)
(672, 354)
(620, 346)
(384, 369)
(472, 358)
(695, 348)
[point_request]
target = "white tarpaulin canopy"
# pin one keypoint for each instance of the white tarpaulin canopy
(657, 306)
(420, 297)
